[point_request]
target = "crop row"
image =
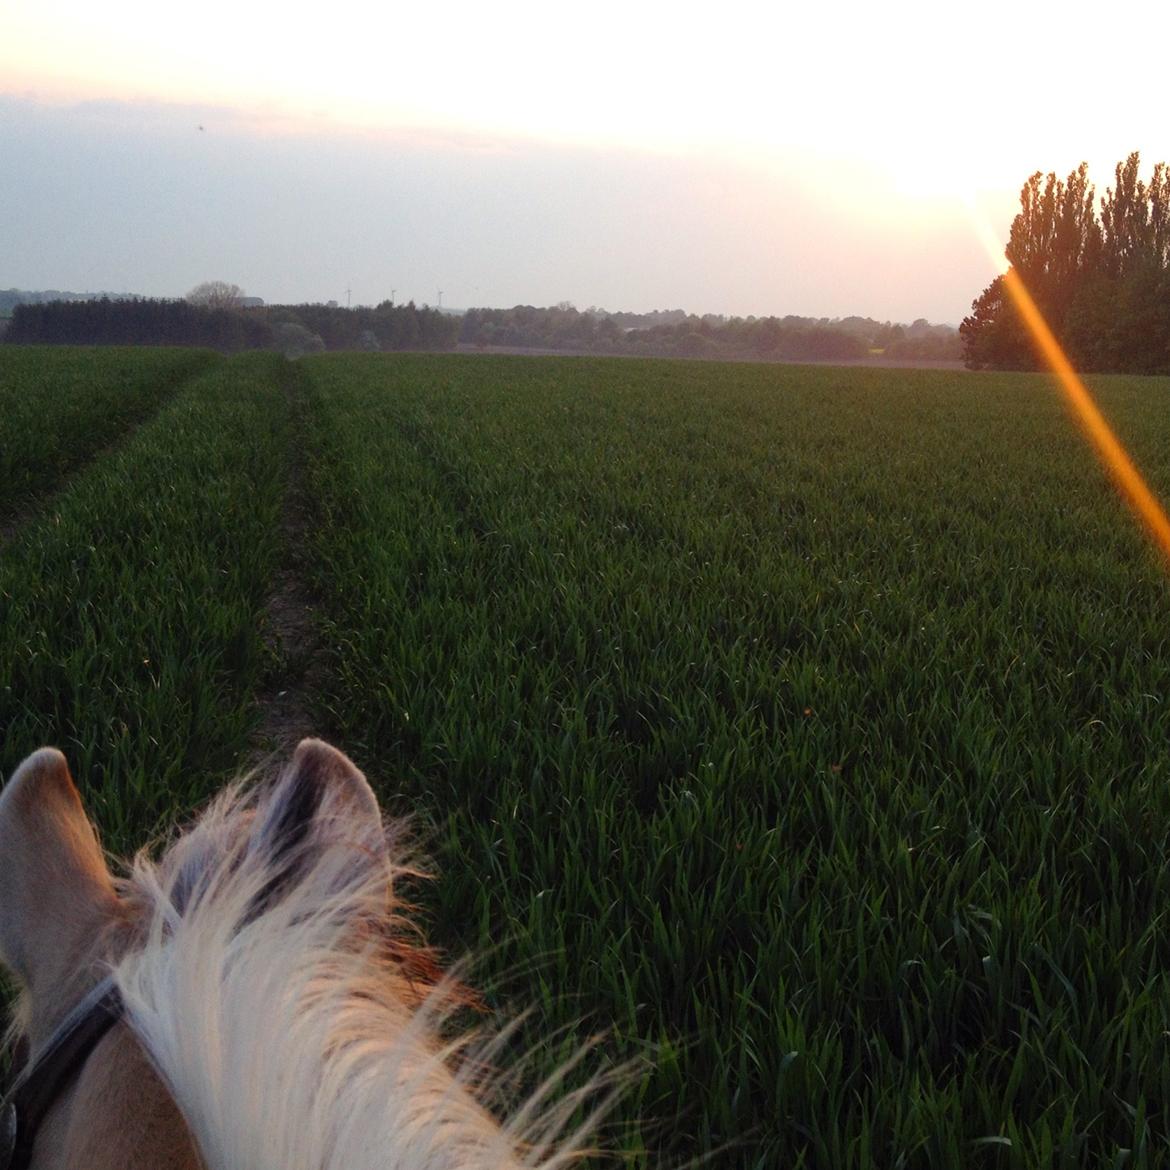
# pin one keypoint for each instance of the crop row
(130, 610)
(806, 726)
(59, 406)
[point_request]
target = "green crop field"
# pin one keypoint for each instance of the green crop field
(802, 731)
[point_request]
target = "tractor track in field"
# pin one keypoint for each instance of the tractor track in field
(40, 500)
(41, 503)
(285, 709)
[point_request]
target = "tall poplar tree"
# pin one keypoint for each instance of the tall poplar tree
(1102, 284)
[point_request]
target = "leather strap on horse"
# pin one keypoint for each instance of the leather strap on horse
(40, 1083)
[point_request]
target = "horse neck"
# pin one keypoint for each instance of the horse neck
(117, 1115)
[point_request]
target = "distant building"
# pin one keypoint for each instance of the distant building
(251, 302)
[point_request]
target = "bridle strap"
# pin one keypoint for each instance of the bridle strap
(40, 1083)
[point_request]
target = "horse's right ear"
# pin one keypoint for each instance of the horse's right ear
(322, 800)
(55, 890)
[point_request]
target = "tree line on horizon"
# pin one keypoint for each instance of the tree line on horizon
(11, 297)
(216, 315)
(291, 329)
(676, 333)
(1102, 281)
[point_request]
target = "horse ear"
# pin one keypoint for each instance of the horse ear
(321, 800)
(55, 890)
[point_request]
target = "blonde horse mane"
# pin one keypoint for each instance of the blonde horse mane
(276, 987)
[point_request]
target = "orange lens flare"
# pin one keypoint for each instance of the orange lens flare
(1119, 465)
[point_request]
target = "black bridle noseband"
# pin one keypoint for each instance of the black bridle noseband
(39, 1084)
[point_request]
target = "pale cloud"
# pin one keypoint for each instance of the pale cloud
(941, 98)
(136, 196)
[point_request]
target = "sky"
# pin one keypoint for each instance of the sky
(741, 158)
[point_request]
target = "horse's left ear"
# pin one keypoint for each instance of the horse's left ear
(55, 890)
(322, 800)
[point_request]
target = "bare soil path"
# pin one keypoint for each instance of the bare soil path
(285, 706)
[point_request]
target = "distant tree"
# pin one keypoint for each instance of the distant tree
(216, 294)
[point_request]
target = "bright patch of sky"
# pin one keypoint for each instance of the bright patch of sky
(741, 158)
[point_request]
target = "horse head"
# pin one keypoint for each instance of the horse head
(253, 1000)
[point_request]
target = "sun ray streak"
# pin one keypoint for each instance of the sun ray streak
(1121, 468)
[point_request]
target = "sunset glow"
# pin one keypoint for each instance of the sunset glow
(749, 160)
(907, 91)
